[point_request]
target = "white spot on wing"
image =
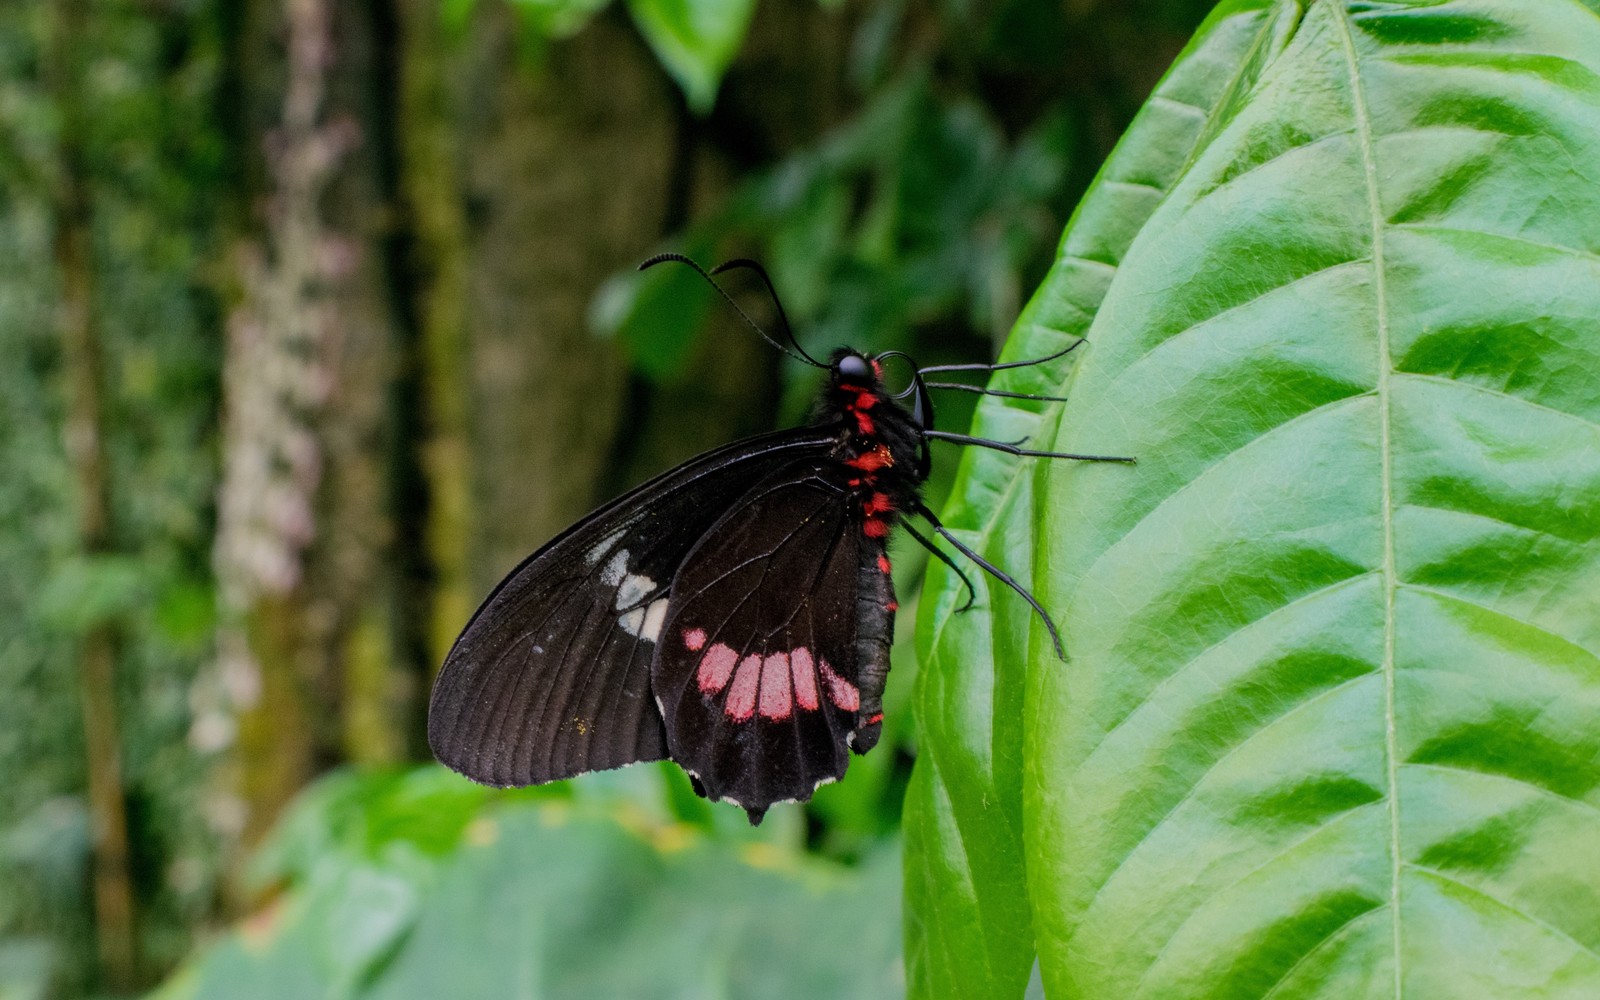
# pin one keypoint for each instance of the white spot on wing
(654, 615)
(615, 570)
(633, 589)
(603, 546)
(645, 623)
(632, 621)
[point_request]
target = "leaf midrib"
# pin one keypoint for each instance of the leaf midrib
(1363, 132)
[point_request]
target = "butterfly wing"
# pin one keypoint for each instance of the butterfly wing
(774, 651)
(551, 677)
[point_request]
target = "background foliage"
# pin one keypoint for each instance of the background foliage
(330, 308)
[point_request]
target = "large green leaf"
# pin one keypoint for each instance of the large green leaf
(968, 929)
(1330, 724)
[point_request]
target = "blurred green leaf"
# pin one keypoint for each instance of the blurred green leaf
(695, 40)
(24, 969)
(1327, 725)
(186, 613)
(553, 18)
(657, 313)
(364, 816)
(86, 591)
(554, 900)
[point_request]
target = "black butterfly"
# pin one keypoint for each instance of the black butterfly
(733, 615)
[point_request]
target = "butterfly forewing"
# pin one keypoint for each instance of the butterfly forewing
(551, 677)
(757, 671)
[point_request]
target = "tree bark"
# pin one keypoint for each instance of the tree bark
(84, 367)
(296, 515)
(566, 169)
(430, 271)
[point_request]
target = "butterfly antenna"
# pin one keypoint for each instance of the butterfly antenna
(679, 258)
(744, 263)
(1008, 364)
(994, 571)
(972, 593)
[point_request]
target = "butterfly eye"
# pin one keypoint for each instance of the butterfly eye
(853, 366)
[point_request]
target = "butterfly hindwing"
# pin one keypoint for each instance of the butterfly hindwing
(551, 677)
(759, 671)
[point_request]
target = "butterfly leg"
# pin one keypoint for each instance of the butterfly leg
(984, 391)
(994, 571)
(1012, 449)
(972, 593)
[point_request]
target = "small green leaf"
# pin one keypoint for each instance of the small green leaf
(657, 314)
(695, 40)
(555, 18)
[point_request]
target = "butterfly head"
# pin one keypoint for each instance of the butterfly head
(856, 369)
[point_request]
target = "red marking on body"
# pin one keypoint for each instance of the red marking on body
(877, 368)
(742, 693)
(804, 673)
(777, 697)
(875, 528)
(694, 639)
(866, 401)
(877, 503)
(840, 691)
(892, 606)
(875, 719)
(864, 423)
(716, 667)
(883, 563)
(872, 461)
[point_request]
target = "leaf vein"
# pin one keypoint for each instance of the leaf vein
(1194, 789)
(1183, 668)
(1363, 131)
(1587, 256)
(1514, 910)
(1265, 863)
(1447, 595)
(1573, 543)
(1510, 397)
(1550, 793)
(1332, 936)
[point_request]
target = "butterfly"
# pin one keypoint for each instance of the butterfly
(733, 615)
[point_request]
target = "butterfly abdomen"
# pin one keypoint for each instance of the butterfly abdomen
(875, 608)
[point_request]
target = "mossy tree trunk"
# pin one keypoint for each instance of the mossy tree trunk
(83, 364)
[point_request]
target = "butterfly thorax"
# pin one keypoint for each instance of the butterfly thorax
(879, 441)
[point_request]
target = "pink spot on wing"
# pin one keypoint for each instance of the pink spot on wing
(777, 697)
(694, 639)
(742, 693)
(804, 673)
(840, 691)
(716, 667)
